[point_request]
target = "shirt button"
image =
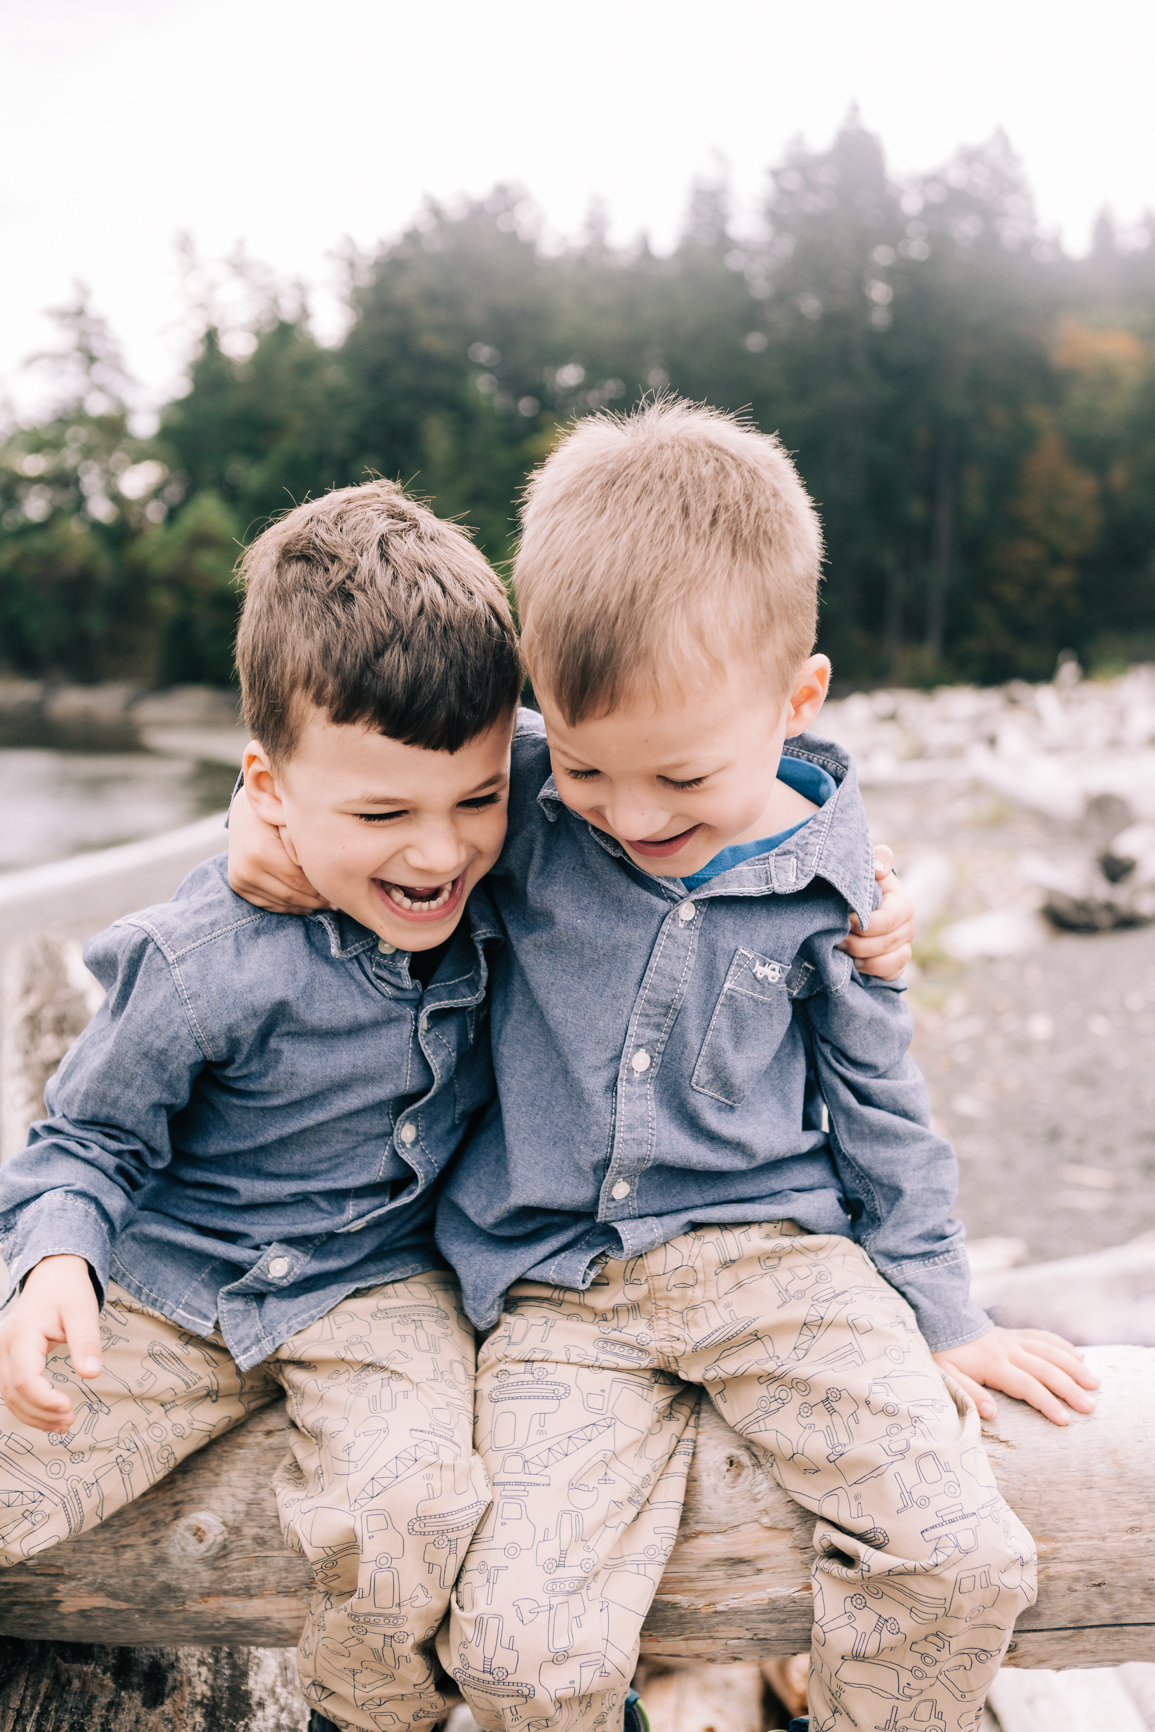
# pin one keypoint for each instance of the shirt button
(687, 911)
(408, 1132)
(640, 1061)
(620, 1190)
(278, 1267)
(385, 947)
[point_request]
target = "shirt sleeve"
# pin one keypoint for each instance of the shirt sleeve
(76, 1183)
(900, 1179)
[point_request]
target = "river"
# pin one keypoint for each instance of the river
(56, 802)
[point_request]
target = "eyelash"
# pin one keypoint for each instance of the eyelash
(478, 805)
(682, 787)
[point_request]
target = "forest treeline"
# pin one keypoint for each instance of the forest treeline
(973, 410)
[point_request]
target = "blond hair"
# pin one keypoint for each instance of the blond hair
(660, 545)
(370, 607)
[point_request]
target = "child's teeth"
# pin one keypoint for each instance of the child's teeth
(398, 896)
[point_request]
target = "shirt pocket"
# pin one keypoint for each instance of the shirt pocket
(748, 1025)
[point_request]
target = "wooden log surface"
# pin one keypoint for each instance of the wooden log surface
(199, 1558)
(76, 1687)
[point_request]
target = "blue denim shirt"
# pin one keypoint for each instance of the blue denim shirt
(252, 1124)
(666, 1058)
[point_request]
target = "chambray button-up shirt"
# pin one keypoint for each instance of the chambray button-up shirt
(252, 1125)
(666, 1058)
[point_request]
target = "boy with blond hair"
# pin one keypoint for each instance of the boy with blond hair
(709, 1166)
(232, 1197)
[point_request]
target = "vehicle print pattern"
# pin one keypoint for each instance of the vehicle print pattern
(586, 1405)
(381, 1491)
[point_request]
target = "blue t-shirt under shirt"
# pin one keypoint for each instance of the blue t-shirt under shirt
(807, 780)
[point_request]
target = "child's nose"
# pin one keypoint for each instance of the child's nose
(635, 818)
(437, 851)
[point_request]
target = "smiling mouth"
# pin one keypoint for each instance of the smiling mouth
(665, 844)
(421, 901)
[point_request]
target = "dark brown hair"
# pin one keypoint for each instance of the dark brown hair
(370, 607)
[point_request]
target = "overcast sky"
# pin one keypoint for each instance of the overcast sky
(287, 124)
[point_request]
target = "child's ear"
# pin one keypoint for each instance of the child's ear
(261, 786)
(811, 684)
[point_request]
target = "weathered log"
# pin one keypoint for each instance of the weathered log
(199, 1557)
(74, 1687)
(1093, 1300)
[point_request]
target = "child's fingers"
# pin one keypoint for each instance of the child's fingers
(280, 898)
(82, 1333)
(982, 1398)
(887, 967)
(1014, 1380)
(287, 904)
(883, 861)
(1058, 1381)
(874, 942)
(1048, 1335)
(1066, 1357)
(28, 1394)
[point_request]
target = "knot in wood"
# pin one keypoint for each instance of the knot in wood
(200, 1535)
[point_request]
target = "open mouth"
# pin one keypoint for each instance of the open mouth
(421, 901)
(665, 844)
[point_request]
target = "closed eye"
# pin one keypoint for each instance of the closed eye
(582, 775)
(695, 782)
(479, 802)
(379, 817)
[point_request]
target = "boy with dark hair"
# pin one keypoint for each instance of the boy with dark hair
(233, 1194)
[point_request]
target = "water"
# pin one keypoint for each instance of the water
(54, 803)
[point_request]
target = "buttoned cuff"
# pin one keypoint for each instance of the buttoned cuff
(59, 1224)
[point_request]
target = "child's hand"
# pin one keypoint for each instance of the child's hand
(885, 949)
(259, 868)
(57, 1303)
(1031, 1364)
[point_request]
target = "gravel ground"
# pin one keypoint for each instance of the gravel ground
(1038, 1064)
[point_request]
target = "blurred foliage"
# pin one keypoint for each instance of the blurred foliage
(973, 411)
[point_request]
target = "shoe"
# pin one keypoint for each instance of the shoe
(318, 1723)
(802, 1724)
(637, 1720)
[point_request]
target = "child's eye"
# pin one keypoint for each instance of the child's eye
(378, 817)
(479, 803)
(695, 782)
(582, 775)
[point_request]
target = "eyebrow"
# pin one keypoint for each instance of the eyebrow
(495, 781)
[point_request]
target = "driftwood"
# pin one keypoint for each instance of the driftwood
(74, 1687)
(199, 1557)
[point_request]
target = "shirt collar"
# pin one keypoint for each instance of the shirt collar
(347, 937)
(834, 844)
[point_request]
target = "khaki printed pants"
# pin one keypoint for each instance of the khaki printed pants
(381, 1490)
(586, 1405)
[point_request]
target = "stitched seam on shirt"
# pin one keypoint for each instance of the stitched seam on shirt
(737, 967)
(672, 1011)
(172, 955)
(155, 1300)
(647, 1157)
(930, 1259)
(648, 1085)
(198, 1033)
